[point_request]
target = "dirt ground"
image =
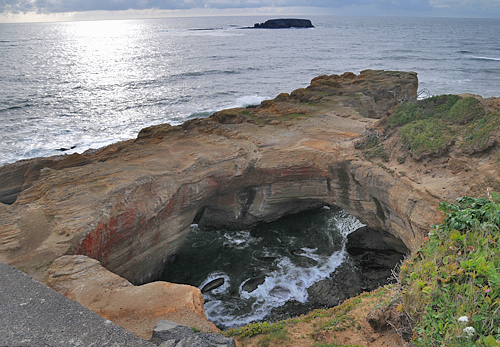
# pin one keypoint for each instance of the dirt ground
(308, 331)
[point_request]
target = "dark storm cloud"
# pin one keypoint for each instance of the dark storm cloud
(55, 6)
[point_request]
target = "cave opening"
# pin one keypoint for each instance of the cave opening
(280, 269)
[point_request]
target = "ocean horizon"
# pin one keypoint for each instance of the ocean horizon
(70, 86)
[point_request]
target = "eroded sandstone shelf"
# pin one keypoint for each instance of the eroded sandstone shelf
(129, 205)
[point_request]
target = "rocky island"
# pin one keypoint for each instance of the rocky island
(284, 23)
(128, 206)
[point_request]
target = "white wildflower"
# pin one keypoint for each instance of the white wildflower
(463, 319)
(469, 331)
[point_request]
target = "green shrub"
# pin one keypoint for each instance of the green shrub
(432, 125)
(377, 151)
(451, 288)
(477, 134)
(465, 111)
(438, 105)
(406, 113)
(427, 136)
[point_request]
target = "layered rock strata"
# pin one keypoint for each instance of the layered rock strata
(129, 205)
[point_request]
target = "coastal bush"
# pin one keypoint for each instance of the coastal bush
(426, 136)
(431, 126)
(451, 286)
(465, 111)
(433, 107)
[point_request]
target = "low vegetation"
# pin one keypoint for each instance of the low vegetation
(372, 147)
(432, 126)
(451, 286)
(317, 328)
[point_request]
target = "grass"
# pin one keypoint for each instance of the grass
(451, 286)
(426, 136)
(279, 337)
(377, 151)
(432, 126)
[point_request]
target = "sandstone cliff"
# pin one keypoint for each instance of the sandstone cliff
(135, 308)
(129, 205)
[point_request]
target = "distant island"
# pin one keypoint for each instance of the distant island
(284, 23)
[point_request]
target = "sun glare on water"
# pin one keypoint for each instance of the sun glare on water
(103, 51)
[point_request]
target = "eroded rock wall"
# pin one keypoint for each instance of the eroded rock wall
(130, 205)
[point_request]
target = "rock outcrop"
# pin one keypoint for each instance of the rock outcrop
(129, 205)
(167, 333)
(284, 23)
(135, 308)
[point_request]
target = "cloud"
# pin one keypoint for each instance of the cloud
(487, 8)
(51, 6)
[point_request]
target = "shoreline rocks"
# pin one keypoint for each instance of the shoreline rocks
(171, 334)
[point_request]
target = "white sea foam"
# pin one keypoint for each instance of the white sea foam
(486, 58)
(285, 282)
(288, 282)
(250, 100)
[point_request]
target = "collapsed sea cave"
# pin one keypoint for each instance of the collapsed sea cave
(272, 271)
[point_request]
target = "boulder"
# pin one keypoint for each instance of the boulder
(216, 283)
(136, 308)
(167, 333)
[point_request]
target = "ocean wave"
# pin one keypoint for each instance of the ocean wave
(287, 282)
(243, 101)
(250, 100)
(287, 279)
(203, 73)
(485, 58)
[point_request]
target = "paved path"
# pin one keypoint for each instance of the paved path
(32, 314)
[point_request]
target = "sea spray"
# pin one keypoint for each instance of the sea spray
(284, 258)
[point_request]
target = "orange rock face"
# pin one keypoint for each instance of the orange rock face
(135, 308)
(130, 205)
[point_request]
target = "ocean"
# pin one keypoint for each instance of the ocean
(68, 87)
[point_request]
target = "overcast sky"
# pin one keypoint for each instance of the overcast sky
(15, 10)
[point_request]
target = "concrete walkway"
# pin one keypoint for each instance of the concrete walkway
(32, 314)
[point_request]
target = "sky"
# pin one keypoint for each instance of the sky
(57, 10)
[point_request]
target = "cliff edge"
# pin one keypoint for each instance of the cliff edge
(129, 205)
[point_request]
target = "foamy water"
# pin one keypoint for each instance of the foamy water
(289, 255)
